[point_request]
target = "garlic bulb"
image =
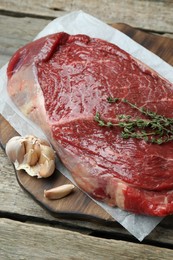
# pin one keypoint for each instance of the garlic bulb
(31, 154)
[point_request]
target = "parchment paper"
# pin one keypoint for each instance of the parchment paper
(80, 22)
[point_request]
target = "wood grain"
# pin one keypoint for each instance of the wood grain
(26, 28)
(30, 241)
(16, 32)
(149, 15)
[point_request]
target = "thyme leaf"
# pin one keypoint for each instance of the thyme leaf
(156, 129)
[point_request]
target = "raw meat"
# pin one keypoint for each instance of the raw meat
(61, 81)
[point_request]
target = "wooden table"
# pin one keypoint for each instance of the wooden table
(26, 230)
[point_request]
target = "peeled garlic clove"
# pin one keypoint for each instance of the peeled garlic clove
(58, 192)
(15, 149)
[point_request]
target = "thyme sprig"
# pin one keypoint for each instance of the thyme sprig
(154, 129)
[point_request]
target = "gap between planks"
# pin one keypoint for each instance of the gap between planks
(149, 15)
(43, 242)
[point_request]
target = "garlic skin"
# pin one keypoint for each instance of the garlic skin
(15, 149)
(59, 192)
(31, 154)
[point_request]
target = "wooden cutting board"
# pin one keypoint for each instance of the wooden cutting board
(78, 205)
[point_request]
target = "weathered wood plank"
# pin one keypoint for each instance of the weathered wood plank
(25, 241)
(16, 32)
(149, 15)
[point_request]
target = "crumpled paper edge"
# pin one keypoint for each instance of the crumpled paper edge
(80, 22)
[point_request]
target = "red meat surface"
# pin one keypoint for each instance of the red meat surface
(61, 81)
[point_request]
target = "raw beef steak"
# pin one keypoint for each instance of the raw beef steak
(61, 81)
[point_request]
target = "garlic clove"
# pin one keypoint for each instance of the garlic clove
(46, 153)
(37, 148)
(15, 149)
(43, 142)
(29, 144)
(31, 157)
(47, 169)
(58, 192)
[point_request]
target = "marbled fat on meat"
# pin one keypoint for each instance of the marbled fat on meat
(61, 81)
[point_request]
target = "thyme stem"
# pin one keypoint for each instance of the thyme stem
(155, 129)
